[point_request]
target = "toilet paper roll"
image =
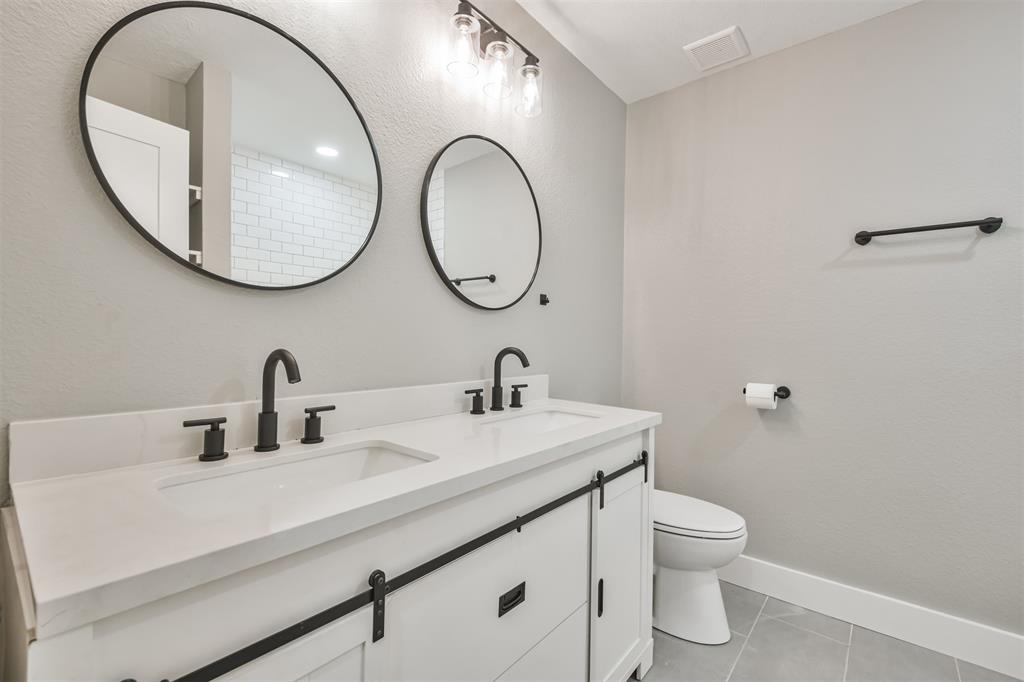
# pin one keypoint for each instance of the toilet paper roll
(762, 396)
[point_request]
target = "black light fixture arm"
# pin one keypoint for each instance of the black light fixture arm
(531, 58)
(986, 225)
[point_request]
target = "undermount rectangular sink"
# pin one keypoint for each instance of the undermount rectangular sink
(285, 478)
(538, 422)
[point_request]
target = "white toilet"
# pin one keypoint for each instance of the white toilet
(692, 539)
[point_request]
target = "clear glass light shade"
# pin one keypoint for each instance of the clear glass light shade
(498, 69)
(531, 90)
(465, 50)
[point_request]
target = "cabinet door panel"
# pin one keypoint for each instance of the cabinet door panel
(334, 653)
(559, 657)
(617, 577)
(445, 626)
(345, 668)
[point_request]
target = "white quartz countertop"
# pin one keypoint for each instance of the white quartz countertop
(100, 543)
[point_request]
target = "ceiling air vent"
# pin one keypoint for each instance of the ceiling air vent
(720, 48)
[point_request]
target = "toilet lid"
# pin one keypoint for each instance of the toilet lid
(682, 515)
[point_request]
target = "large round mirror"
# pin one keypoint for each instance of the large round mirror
(229, 145)
(480, 223)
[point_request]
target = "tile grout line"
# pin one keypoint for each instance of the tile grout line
(956, 664)
(846, 666)
(807, 630)
(747, 640)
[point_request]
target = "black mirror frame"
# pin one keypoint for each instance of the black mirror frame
(94, 162)
(425, 224)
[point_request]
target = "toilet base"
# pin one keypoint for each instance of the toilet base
(688, 605)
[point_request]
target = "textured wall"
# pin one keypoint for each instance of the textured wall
(897, 464)
(97, 320)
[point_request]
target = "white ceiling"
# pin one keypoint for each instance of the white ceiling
(636, 46)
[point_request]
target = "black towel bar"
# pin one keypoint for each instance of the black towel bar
(986, 225)
(459, 280)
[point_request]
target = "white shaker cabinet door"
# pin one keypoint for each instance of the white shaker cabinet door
(559, 657)
(617, 577)
(335, 653)
(473, 619)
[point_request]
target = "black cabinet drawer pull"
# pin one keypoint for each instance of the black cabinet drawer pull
(600, 597)
(511, 599)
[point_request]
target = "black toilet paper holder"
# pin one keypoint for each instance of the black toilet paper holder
(782, 392)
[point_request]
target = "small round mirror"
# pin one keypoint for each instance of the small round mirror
(480, 223)
(229, 145)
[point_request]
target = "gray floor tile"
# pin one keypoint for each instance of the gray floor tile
(676, 660)
(741, 607)
(777, 651)
(975, 673)
(808, 620)
(877, 658)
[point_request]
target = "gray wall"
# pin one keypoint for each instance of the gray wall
(215, 207)
(194, 123)
(133, 88)
(490, 227)
(896, 466)
(97, 320)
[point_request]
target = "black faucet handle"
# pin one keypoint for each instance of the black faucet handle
(517, 395)
(213, 422)
(313, 423)
(478, 400)
(213, 438)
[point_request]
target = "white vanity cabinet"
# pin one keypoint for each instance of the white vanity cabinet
(567, 596)
(620, 589)
(446, 625)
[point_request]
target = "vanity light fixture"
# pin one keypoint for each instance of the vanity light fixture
(498, 56)
(531, 86)
(327, 151)
(476, 36)
(465, 43)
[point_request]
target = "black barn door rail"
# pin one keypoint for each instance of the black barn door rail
(380, 586)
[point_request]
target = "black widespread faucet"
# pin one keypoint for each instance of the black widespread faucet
(266, 436)
(496, 390)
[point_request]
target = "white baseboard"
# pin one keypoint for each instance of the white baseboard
(976, 643)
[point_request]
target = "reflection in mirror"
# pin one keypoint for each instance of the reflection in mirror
(480, 223)
(230, 146)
